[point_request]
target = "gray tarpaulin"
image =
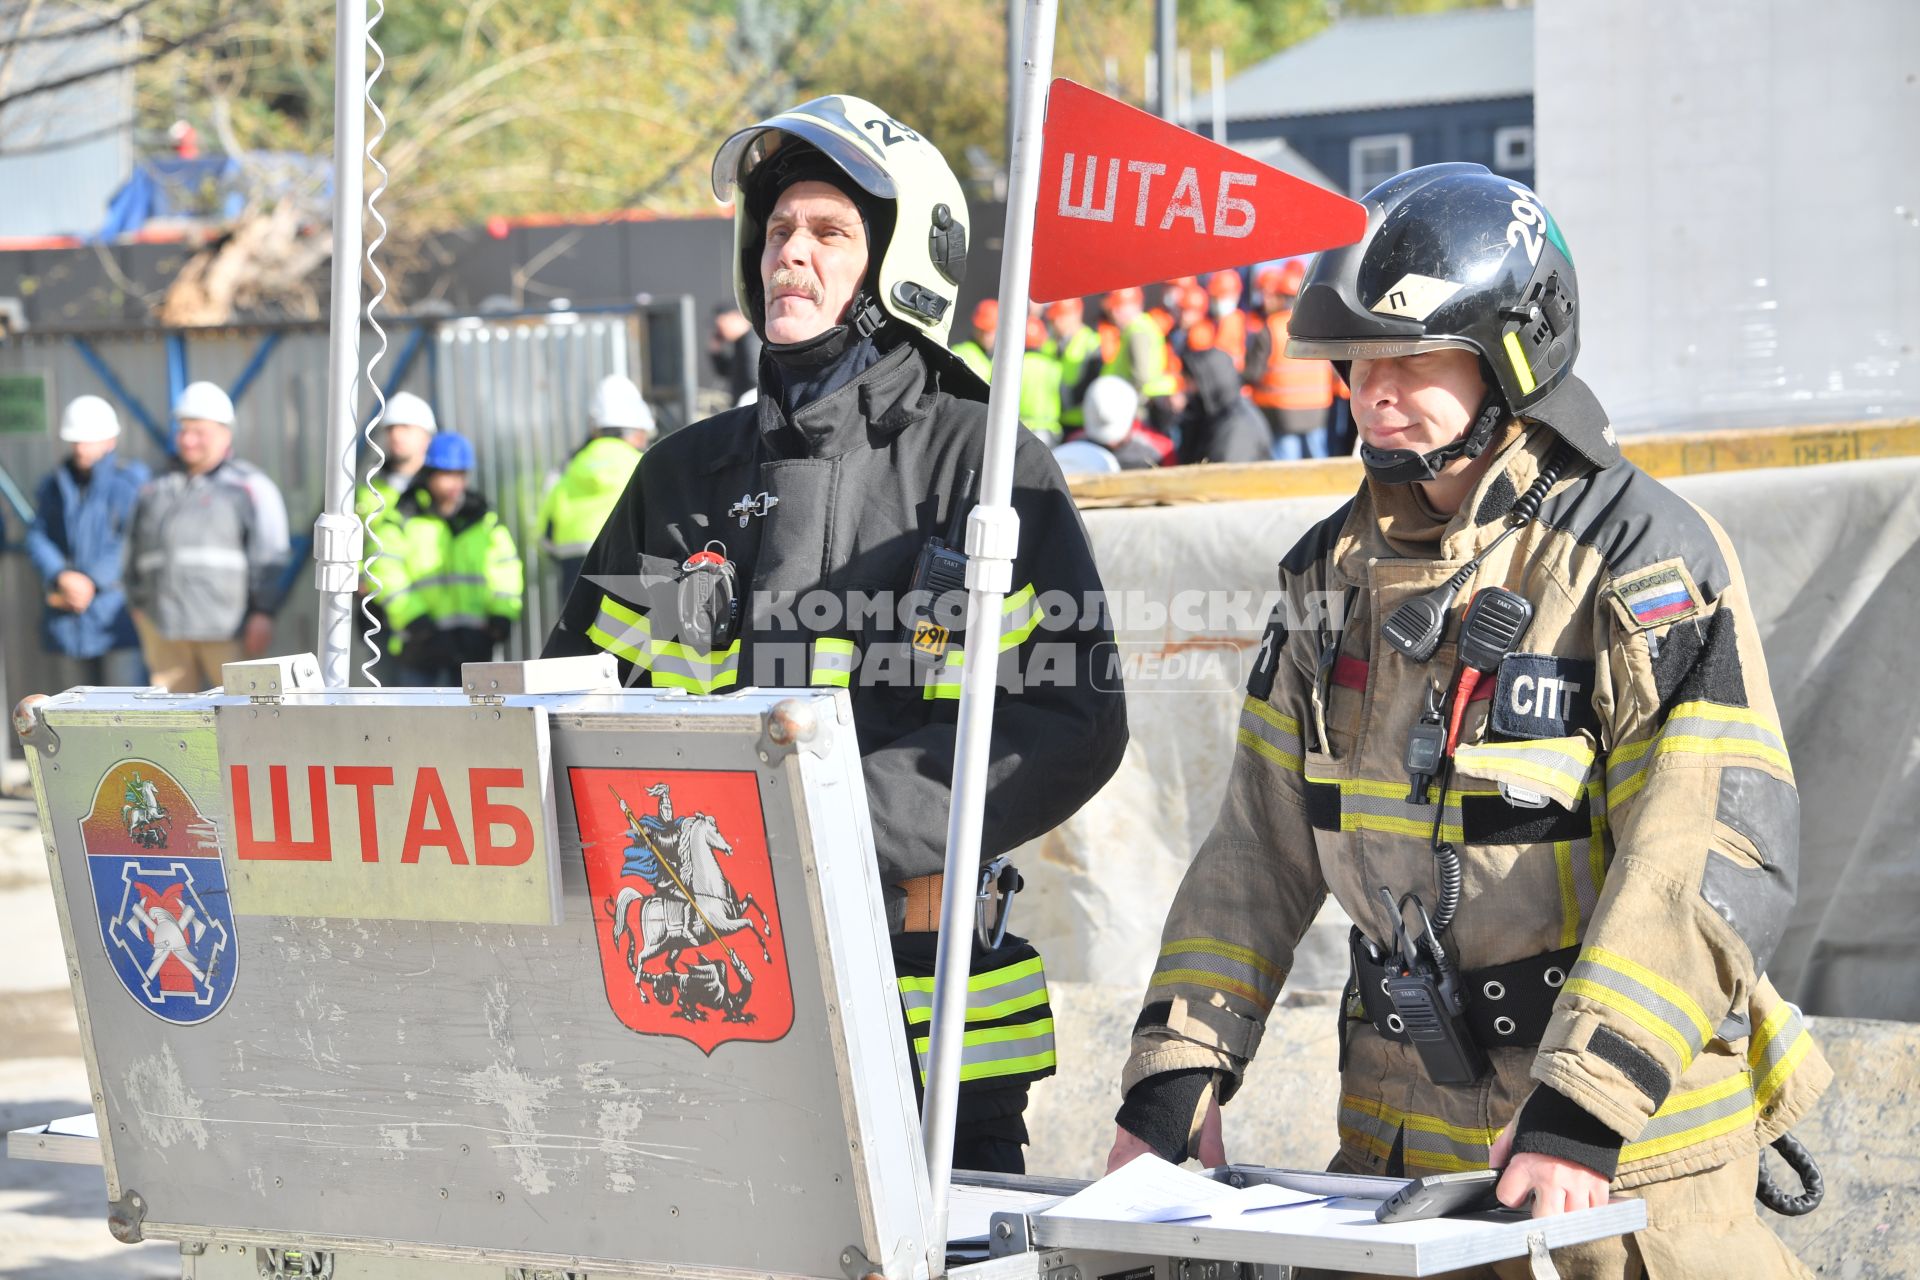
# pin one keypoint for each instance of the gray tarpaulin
(1834, 570)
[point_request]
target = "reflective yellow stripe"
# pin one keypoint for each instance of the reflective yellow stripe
(1700, 1115)
(982, 981)
(623, 632)
(1219, 966)
(991, 1052)
(1634, 969)
(1428, 1142)
(1653, 1003)
(1203, 978)
(1701, 729)
(1226, 950)
(832, 663)
(1569, 899)
(1269, 734)
(1020, 616)
(988, 1012)
(1522, 372)
(1776, 1051)
(944, 683)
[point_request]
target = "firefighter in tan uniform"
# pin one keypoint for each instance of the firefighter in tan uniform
(1513, 714)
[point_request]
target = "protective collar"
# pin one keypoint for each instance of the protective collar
(1570, 411)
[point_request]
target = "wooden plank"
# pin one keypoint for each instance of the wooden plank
(1677, 454)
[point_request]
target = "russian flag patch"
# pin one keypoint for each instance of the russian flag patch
(1660, 595)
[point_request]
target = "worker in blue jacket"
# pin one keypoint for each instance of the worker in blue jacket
(77, 542)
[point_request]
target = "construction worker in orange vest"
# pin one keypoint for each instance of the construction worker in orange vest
(1193, 330)
(1229, 321)
(1295, 396)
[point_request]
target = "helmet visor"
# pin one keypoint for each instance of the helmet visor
(746, 150)
(1369, 348)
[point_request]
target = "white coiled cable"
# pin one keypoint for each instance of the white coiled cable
(377, 65)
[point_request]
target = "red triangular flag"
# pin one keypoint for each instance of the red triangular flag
(1128, 199)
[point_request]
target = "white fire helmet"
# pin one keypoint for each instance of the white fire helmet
(925, 257)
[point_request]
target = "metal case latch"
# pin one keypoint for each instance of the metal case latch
(267, 680)
(294, 1264)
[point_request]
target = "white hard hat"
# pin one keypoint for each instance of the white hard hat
(618, 406)
(919, 276)
(406, 409)
(206, 402)
(1110, 406)
(87, 419)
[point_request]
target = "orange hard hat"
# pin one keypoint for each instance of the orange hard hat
(1292, 276)
(1270, 281)
(987, 314)
(1183, 282)
(1065, 307)
(1193, 298)
(1224, 284)
(1121, 297)
(1036, 333)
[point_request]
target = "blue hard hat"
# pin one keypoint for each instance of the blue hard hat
(450, 451)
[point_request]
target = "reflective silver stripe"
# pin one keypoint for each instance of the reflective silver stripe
(1665, 1123)
(460, 620)
(1219, 966)
(833, 662)
(1429, 1142)
(623, 632)
(996, 994)
(1775, 1051)
(198, 557)
(1270, 734)
(677, 667)
(1564, 772)
(1652, 1002)
(999, 1051)
(1697, 1116)
(1695, 728)
(568, 550)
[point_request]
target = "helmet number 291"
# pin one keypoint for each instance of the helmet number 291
(891, 131)
(1527, 218)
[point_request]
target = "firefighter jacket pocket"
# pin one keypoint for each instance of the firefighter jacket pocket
(1556, 770)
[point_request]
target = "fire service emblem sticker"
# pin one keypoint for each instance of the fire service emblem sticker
(684, 907)
(160, 893)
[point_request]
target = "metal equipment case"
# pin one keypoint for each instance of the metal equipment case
(607, 1079)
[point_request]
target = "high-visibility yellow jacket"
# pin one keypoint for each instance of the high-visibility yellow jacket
(1624, 799)
(975, 357)
(1080, 360)
(577, 505)
(1040, 395)
(457, 572)
(1142, 358)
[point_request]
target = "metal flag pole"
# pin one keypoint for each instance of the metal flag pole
(993, 535)
(337, 533)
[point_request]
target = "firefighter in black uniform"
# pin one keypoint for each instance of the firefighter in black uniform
(802, 540)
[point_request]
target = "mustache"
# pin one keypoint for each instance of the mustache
(788, 278)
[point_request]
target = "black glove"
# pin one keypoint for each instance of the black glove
(499, 628)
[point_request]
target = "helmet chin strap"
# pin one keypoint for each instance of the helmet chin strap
(864, 317)
(1410, 466)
